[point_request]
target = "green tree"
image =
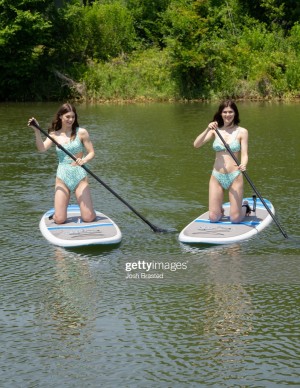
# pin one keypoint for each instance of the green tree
(108, 30)
(25, 26)
(147, 17)
(190, 30)
(96, 32)
(212, 48)
(273, 12)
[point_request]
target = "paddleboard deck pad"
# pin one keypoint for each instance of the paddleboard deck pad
(202, 231)
(77, 233)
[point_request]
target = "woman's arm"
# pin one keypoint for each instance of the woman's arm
(206, 135)
(85, 138)
(42, 146)
(244, 149)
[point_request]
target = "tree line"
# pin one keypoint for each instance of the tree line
(149, 50)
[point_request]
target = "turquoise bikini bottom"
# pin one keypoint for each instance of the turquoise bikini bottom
(70, 175)
(226, 180)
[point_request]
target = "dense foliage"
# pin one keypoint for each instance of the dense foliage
(140, 49)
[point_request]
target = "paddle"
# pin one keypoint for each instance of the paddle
(153, 227)
(251, 184)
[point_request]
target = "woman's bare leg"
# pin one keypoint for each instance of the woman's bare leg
(216, 195)
(61, 201)
(85, 202)
(236, 192)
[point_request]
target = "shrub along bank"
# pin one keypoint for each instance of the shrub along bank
(141, 50)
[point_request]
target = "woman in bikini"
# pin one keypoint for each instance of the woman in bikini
(70, 176)
(226, 175)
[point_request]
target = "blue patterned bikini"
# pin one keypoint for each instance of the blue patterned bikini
(70, 175)
(226, 180)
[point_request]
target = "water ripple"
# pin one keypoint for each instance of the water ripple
(221, 316)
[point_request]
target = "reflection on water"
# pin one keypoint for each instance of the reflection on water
(231, 314)
(72, 287)
(226, 322)
(71, 318)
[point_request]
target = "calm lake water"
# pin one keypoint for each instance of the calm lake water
(221, 316)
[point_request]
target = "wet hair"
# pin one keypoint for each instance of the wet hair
(56, 123)
(225, 104)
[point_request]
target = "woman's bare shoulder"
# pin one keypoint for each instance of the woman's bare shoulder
(83, 134)
(82, 131)
(242, 130)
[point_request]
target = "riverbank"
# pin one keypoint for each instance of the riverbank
(152, 75)
(170, 50)
(143, 100)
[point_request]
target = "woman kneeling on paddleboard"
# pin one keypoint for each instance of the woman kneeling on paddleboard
(226, 175)
(70, 177)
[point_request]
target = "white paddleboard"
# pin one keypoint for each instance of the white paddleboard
(202, 231)
(77, 233)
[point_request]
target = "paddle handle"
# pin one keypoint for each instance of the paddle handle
(33, 123)
(252, 184)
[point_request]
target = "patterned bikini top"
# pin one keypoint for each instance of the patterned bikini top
(235, 145)
(74, 147)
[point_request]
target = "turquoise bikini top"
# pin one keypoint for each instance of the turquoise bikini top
(235, 145)
(74, 147)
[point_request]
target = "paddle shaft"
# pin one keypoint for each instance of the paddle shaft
(153, 227)
(251, 184)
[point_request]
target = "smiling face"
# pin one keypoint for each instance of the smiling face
(67, 120)
(228, 116)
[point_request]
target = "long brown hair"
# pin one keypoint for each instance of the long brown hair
(56, 123)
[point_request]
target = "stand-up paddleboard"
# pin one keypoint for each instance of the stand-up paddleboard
(202, 231)
(77, 233)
